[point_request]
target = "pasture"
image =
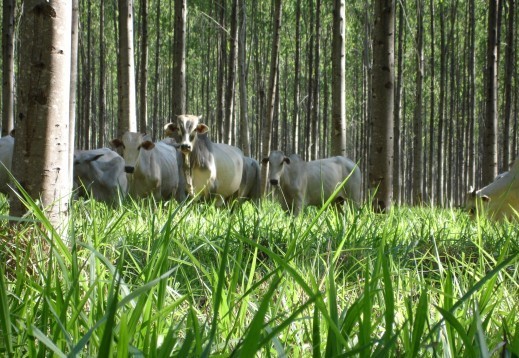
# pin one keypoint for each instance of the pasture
(162, 279)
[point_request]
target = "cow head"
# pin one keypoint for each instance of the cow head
(277, 161)
(473, 199)
(186, 128)
(128, 146)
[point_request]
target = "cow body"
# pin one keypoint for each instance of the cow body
(500, 198)
(214, 169)
(250, 187)
(312, 183)
(100, 172)
(6, 160)
(152, 167)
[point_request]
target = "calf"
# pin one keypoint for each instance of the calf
(212, 168)
(500, 198)
(101, 173)
(312, 183)
(6, 160)
(250, 187)
(153, 167)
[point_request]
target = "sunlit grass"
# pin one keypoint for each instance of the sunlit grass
(163, 279)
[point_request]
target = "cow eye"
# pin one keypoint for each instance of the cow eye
(192, 136)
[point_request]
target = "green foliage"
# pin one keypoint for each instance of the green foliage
(160, 279)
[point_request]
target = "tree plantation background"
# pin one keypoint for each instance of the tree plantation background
(441, 81)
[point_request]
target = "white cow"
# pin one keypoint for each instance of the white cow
(100, 172)
(153, 166)
(500, 199)
(6, 160)
(312, 183)
(214, 168)
(250, 188)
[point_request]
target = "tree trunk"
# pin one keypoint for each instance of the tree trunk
(430, 165)
(127, 105)
(339, 80)
(316, 83)
(231, 74)
(222, 59)
(143, 89)
(179, 59)
(418, 122)
(42, 142)
(297, 75)
(102, 139)
(441, 111)
(509, 75)
(381, 161)
(272, 89)
(397, 183)
(8, 66)
(489, 158)
(73, 84)
(244, 122)
(155, 118)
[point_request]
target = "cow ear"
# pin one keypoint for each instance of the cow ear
(286, 160)
(12, 132)
(116, 143)
(265, 161)
(148, 145)
(201, 128)
(170, 128)
(485, 198)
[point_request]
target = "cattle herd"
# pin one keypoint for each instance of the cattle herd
(187, 163)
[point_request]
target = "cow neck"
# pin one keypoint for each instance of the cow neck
(202, 152)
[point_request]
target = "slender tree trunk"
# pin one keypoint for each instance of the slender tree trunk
(222, 59)
(297, 69)
(231, 74)
(509, 75)
(418, 122)
(155, 119)
(179, 58)
(143, 89)
(272, 89)
(73, 85)
(472, 96)
(397, 183)
(339, 79)
(316, 83)
(381, 161)
(127, 95)
(9, 8)
(441, 111)
(432, 114)
(244, 122)
(489, 158)
(102, 139)
(41, 154)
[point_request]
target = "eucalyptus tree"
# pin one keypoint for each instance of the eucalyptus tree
(339, 80)
(179, 59)
(508, 77)
(417, 119)
(489, 157)
(41, 154)
(143, 69)
(381, 154)
(8, 18)
(127, 118)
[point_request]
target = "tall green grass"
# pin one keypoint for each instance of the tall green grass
(160, 279)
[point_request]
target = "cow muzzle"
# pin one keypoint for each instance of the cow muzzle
(129, 169)
(186, 148)
(274, 182)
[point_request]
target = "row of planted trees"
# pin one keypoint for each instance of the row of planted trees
(441, 99)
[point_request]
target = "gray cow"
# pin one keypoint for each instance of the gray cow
(312, 183)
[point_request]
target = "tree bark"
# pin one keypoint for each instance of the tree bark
(41, 154)
(179, 59)
(155, 119)
(143, 67)
(73, 84)
(272, 89)
(398, 109)
(9, 8)
(339, 79)
(417, 121)
(509, 75)
(102, 139)
(244, 122)
(231, 74)
(489, 157)
(126, 80)
(381, 160)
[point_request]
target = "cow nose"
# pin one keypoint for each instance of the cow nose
(129, 169)
(185, 147)
(274, 181)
